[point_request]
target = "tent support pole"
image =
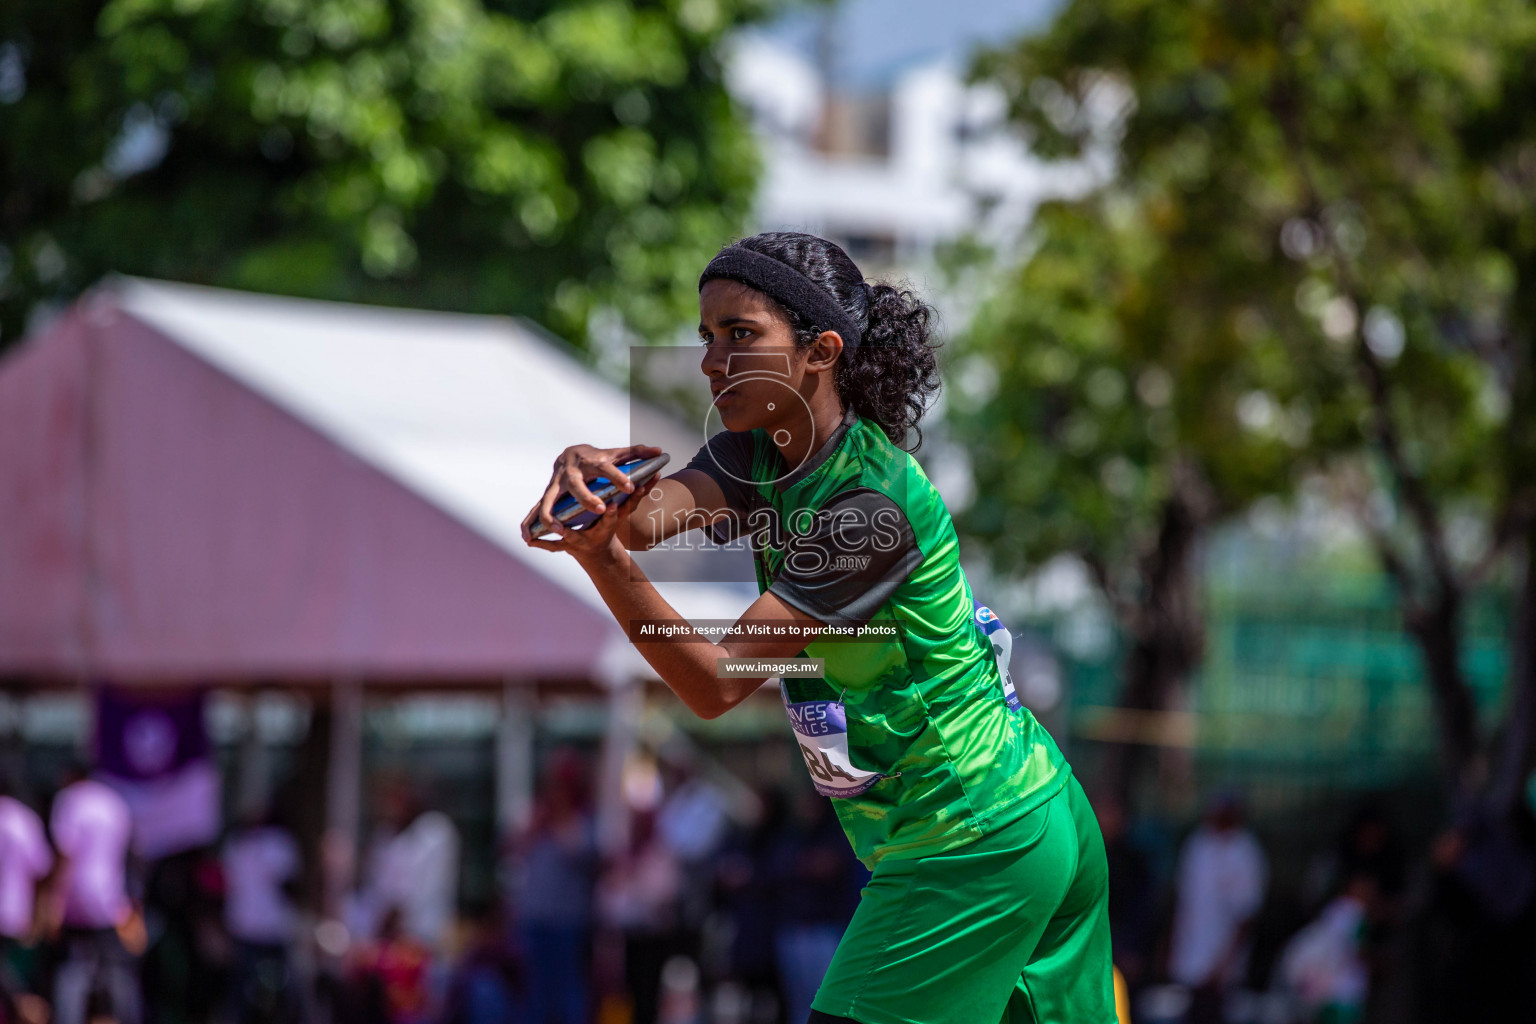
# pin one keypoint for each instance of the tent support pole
(251, 790)
(626, 703)
(343, 790)
(514, 757)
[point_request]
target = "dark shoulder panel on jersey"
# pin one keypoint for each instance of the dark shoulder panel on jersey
(727, 459)
(858, 550)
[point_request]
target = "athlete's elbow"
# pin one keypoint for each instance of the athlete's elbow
(710, 710)
(708, 706)
(728, 698)
(712, 705)
(699, 697)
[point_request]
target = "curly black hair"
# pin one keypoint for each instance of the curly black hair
(892, 376)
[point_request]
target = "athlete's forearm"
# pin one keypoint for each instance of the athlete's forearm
(687, 500)
(688, 667)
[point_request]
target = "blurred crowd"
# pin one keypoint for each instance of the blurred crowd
(717, 905)
(717, 908)
(711, 906)
(1375, 930)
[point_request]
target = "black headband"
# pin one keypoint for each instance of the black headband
(786, 286)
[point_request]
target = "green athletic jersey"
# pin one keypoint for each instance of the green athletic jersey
(912, 733)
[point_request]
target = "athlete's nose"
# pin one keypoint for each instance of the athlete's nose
(713, 363)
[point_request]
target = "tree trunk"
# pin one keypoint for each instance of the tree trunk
(1167, 632)
(1437, 630)
(1517, 750)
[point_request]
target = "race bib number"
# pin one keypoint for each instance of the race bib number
(997, 635)
(821, 729)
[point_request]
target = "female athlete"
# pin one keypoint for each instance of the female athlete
(988, 898)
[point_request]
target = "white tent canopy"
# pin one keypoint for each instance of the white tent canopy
(201, 482)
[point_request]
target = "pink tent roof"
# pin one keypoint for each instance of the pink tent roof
(199, 484)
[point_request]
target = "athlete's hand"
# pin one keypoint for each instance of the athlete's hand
(597, 541)
(573, 468)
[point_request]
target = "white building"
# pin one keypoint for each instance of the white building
(893, 157)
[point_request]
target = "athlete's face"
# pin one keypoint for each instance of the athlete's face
(757, 376)
(749, 356)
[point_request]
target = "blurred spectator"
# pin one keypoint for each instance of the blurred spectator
(1370, 849)
(489, 984)
(91, 828)
(1132, 893)
(1323, 969)
(388, 977)
(748, 898)
(638, 897)
(693, 822)
(182, 971)
(695, 815)
(1370, 859)
(555, 870)
(1220, 885)
(817, 882)
(415, 867)
(1477, 931)
(263, 869)
(25, 859)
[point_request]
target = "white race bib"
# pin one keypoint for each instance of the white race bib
(821, 729)
(1002, 649)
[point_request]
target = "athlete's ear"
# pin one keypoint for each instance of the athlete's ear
(824, 352)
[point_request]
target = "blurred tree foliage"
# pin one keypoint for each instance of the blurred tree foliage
(545, 157)
(1301, 261)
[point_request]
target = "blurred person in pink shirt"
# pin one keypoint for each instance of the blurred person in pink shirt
(91, 827)
(25, 859)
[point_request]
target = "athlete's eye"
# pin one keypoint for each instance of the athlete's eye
(735, 334)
